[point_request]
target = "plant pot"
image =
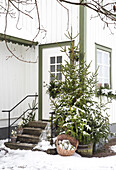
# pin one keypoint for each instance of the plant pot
(19, 130)
(13, 139)
(85, 150)
(64, 152)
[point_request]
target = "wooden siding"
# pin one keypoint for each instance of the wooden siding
(17, 79)
(53, 19)
(96, 34)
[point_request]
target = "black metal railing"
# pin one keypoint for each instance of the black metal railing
(53, 128)
(9, 113)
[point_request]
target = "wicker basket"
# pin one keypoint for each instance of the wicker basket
(73, 142)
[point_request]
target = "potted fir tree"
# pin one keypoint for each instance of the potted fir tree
(77, 112)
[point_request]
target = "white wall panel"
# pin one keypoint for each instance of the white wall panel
(53, 18)
(97, 34)
(18, 79)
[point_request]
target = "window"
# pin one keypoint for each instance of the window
(103, 60)
(55, 67)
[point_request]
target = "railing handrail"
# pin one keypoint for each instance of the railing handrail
(31, 95)
(22, 115)
(9, 125)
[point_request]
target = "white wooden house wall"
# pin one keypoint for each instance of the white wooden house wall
(17, 79)
(97, 34)
(53, 18)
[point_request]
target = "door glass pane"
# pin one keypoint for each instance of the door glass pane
(59, 76)
(52, 60)
(52, 76)
(58, 68)
(59, 59)
(52, 68)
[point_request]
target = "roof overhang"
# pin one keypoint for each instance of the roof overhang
(16, 40)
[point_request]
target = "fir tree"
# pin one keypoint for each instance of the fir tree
(77, 112)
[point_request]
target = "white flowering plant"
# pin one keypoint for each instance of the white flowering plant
(20, 124)
(14, 133)
(65, 145)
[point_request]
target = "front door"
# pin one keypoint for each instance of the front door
(50, 60)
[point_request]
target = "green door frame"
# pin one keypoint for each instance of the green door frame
(40, 63)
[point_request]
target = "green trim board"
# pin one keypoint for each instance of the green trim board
(82, 30)
(40, 63)
(107, 49)
(20, 41)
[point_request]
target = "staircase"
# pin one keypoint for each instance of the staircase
(30, 136)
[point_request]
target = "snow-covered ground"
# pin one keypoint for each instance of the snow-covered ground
(35, 160)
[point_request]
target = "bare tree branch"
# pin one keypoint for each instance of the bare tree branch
(106, 11)
(7, 10)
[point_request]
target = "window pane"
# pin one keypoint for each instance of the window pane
(99, 56)
(106, 80)
(52, 60)
(58, 68)
(52, 76)
(52, 68)
(106, 72)
(59, 76)
(100, 71)
(106, 58)
(59, 59)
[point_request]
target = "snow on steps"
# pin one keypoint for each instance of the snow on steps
(37, 124)
(21, 146)
(32, 131)
(30, 136)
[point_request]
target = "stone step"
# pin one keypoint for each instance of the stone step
(25, 138)
(32, 131)
(37, 124)
(25, 146)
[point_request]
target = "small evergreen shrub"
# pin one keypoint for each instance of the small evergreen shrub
(31, 114)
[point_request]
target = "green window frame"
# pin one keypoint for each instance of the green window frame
(103, 64)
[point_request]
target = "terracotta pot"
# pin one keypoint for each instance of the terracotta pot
(19, 130)
(13, 139)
